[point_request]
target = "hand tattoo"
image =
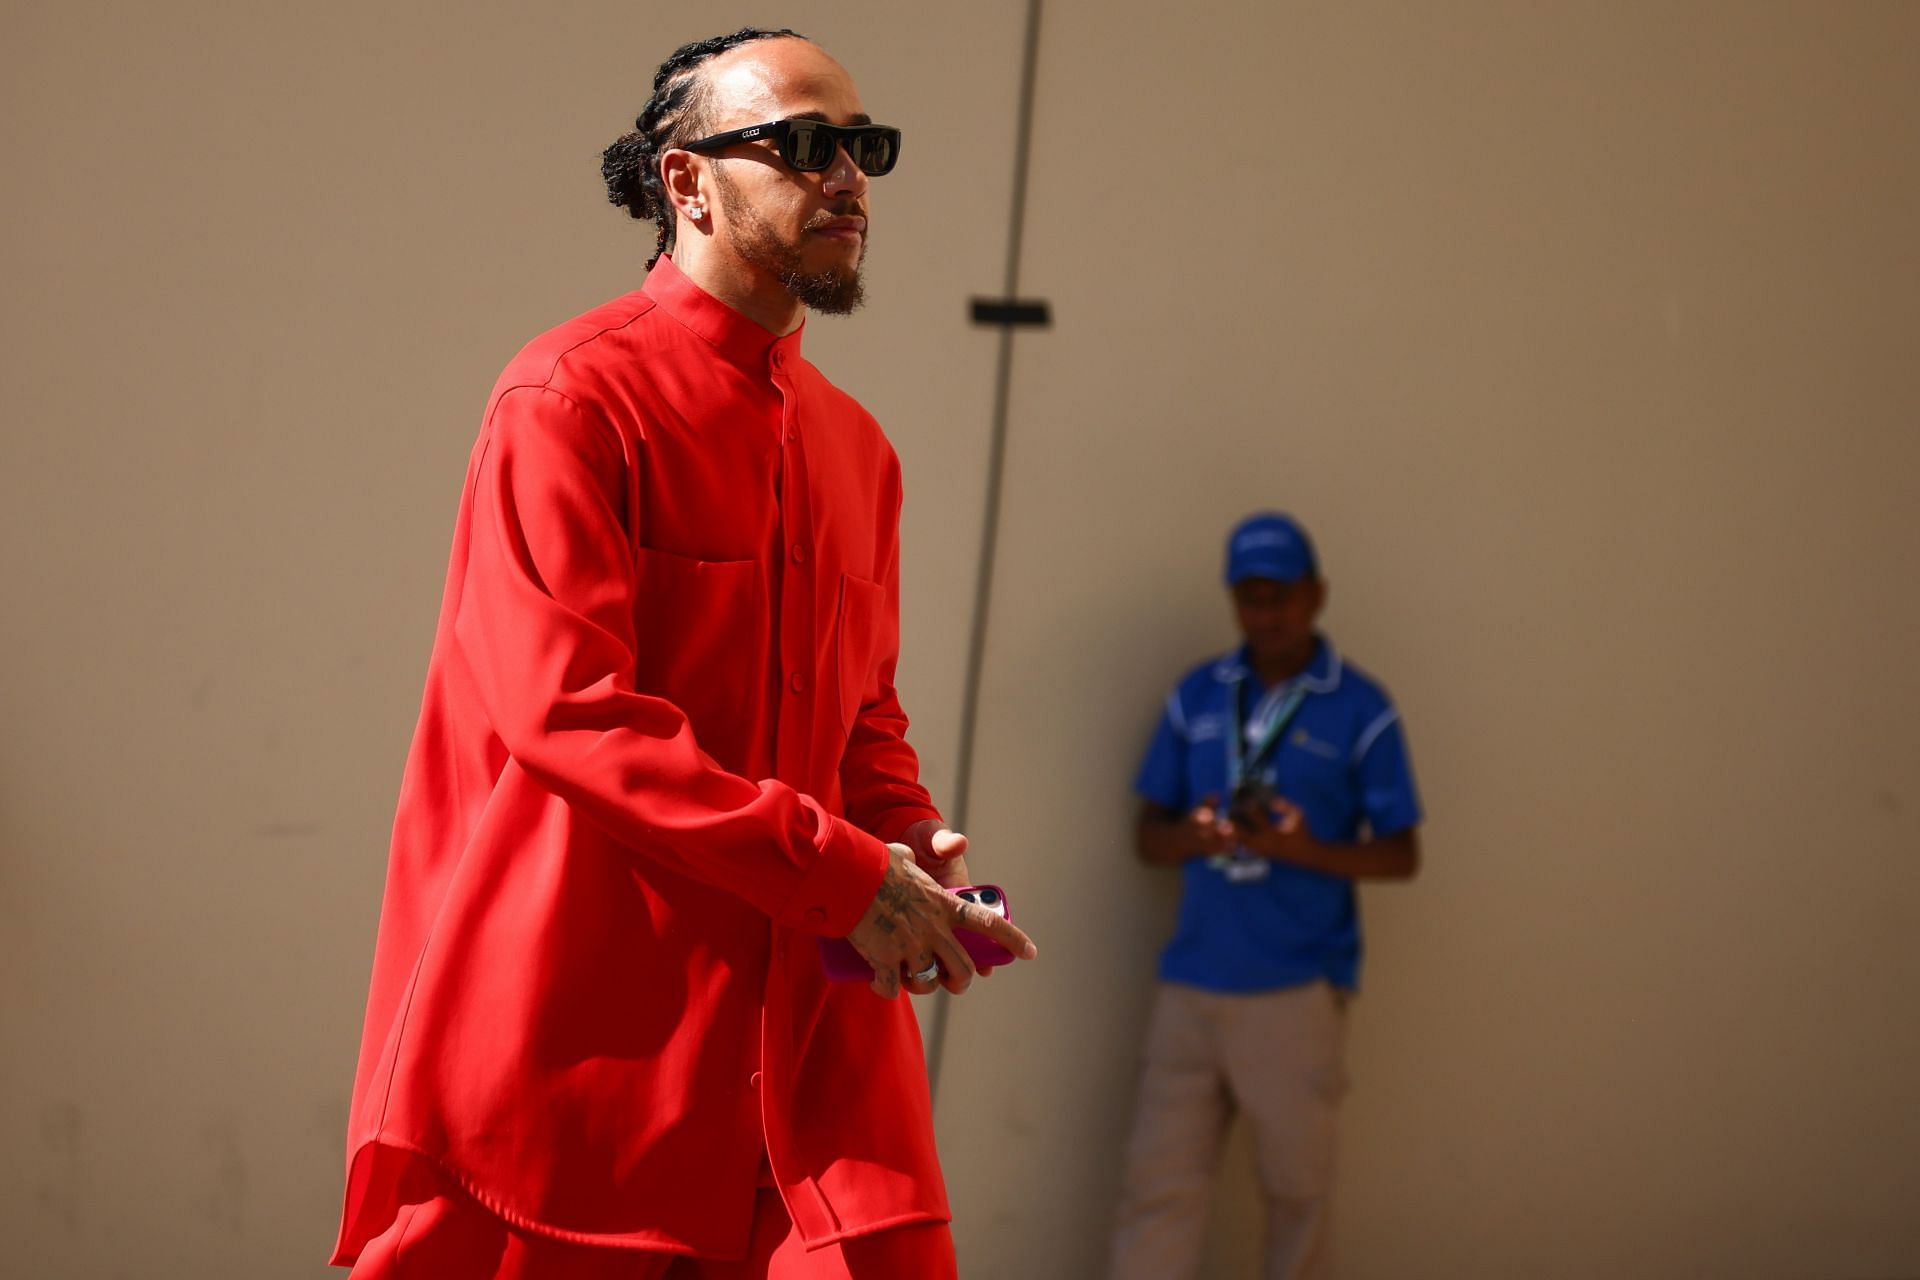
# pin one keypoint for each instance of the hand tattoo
(895, 902)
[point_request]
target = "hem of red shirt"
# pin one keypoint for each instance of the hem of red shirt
(345, 1255)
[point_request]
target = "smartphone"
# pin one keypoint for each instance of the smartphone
(844, 964)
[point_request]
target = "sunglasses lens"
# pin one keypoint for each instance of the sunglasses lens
(875, 150)
(809, 148)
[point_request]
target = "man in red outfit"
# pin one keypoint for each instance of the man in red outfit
(660, 758)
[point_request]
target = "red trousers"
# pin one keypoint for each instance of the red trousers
(440, 1233)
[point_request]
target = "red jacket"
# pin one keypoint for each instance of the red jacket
(657, 757)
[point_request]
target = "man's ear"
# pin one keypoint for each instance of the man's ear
(682, 174)
(1319, 595)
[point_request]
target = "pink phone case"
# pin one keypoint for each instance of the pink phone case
(844, 964)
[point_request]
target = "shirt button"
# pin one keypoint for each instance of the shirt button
(753, 1081)
(799, 553)
(797, 682)
(816, 915)
(779, 358)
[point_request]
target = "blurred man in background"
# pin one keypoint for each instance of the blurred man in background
(1277, 778)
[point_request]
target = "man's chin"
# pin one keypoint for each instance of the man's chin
(831, 292)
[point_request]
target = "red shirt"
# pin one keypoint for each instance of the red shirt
(658, 754)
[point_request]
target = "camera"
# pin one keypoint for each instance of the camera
(985, 895)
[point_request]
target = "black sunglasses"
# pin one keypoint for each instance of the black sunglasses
(808, 145)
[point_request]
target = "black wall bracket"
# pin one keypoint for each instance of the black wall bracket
(1012, 313)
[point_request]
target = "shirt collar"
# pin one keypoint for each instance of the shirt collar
(1321, 676)
(735, 337)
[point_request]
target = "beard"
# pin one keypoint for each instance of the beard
(835, 291)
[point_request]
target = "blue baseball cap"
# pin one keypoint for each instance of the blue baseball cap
(1269, 545)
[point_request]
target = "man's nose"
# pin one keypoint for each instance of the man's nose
(843, 174)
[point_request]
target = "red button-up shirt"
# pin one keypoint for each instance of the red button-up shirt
(657, 758)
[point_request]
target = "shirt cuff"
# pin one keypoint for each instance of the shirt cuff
(839, 887)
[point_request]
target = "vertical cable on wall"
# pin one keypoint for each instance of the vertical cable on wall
(996, 465)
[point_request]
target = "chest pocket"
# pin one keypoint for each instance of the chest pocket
(699, 631)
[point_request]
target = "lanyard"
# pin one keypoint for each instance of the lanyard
(1240, 766)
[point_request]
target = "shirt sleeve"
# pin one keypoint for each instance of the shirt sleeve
(1162, 779)
(546, 623)
(879, 771)
(1387, 792)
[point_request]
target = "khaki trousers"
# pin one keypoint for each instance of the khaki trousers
(1279, 1057)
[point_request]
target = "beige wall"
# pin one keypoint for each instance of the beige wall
(1584, 339)
(1582, 336)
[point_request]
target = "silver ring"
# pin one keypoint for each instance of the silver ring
(927, 974)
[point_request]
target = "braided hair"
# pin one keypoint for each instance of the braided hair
(676, 114)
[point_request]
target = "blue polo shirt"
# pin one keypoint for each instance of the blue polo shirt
(1250, 924)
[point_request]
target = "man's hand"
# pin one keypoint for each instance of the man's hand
(1208, 830)
(1167, 837)
(939, 851)
(1280, 834)
(1283, 836)
(909, 929)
